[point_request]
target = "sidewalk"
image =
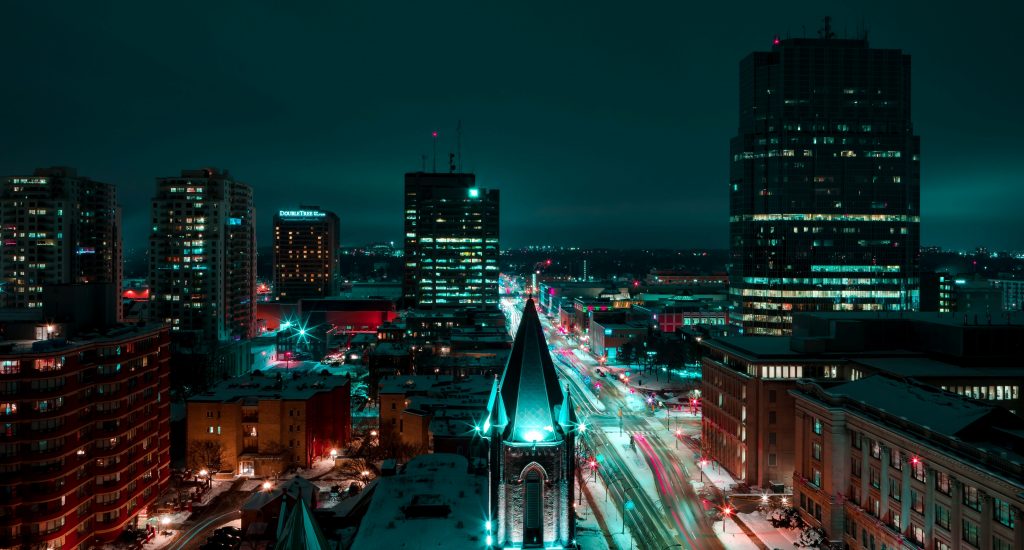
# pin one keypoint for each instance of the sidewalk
(760, 533)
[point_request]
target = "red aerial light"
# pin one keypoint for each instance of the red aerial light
(776, 41)
(434, 133)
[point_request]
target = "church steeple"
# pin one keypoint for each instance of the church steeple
(531, 427)
(529, 388)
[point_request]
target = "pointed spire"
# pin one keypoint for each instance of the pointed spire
(529, 388)
(301, 530)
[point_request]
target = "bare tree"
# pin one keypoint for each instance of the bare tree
(205, 455)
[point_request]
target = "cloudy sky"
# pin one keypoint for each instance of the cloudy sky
(603, 123)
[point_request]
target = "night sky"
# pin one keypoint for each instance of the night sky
(603, 123)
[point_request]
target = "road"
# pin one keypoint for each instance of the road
(677, 515)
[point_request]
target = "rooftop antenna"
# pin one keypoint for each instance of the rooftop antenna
(451, 162)
(458, 144)
(435, 150)
(826, 31)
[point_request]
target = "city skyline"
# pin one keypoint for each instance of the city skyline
(604, 114)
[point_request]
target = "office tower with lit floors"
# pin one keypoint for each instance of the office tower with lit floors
(825, 182)
(305, 254)
(202, 261)
(57, 228)
(451, 241)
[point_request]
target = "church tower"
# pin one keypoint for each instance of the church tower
(531, 428)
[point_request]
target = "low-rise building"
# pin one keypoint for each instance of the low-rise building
(430, 411)
(748, 412)
(882, 462)
(259, 426)
(435, 501)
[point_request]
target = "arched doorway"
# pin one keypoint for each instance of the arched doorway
(533, 508)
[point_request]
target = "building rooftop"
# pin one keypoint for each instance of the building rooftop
(928, 407)
(113, 334)
(982, 436)
(433, 503)
(923, 367)
(298, 388)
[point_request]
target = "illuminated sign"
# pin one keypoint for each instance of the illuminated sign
(85, 250)
(301, 214)
(234, 221)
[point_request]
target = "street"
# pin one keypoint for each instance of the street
(637, 455)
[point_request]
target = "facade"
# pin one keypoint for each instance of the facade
(895, 464)
(305, 254)
(202, 255)
(451, 241)
(606, 338)
(264, 425)
(531, 427)
(85, 445)
(57, 228)
(434, 414)
(824, 183)
(1013, 292)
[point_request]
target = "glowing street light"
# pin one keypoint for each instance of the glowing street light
(203, 472)
(334, 453)
(267, 485)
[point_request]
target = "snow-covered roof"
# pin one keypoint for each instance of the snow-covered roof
(438, 481)
(939, 411)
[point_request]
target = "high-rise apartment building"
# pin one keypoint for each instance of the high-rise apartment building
(825, 183)
(202, 261)
(84, 432)
(57, 228)
(451, 241)
(305, 254)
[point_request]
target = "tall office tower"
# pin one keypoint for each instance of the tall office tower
(451, 241)
(305, 253)
(57, 228)
(202, 260)
(824, 183)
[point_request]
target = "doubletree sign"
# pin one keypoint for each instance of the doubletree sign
(301, 214)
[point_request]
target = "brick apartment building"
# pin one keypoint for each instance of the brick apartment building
(264, 425)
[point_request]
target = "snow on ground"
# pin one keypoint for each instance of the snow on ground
(610, 512)
(216, 488)
(770, 536)
(636, 462)
(732, 536)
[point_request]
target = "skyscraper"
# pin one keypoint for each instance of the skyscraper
(202, 261)
(824, 183)
(451, 241)
(57, 228)
(305, 253)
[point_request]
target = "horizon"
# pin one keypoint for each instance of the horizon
(588, 117)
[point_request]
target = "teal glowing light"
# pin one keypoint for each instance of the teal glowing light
(474, 193)
(533, 436)
(487, 424)
(629, 505)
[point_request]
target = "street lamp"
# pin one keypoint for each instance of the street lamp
(267, 485)
(679, 434)
(702, 463)
(334, 454)
(626, 505)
